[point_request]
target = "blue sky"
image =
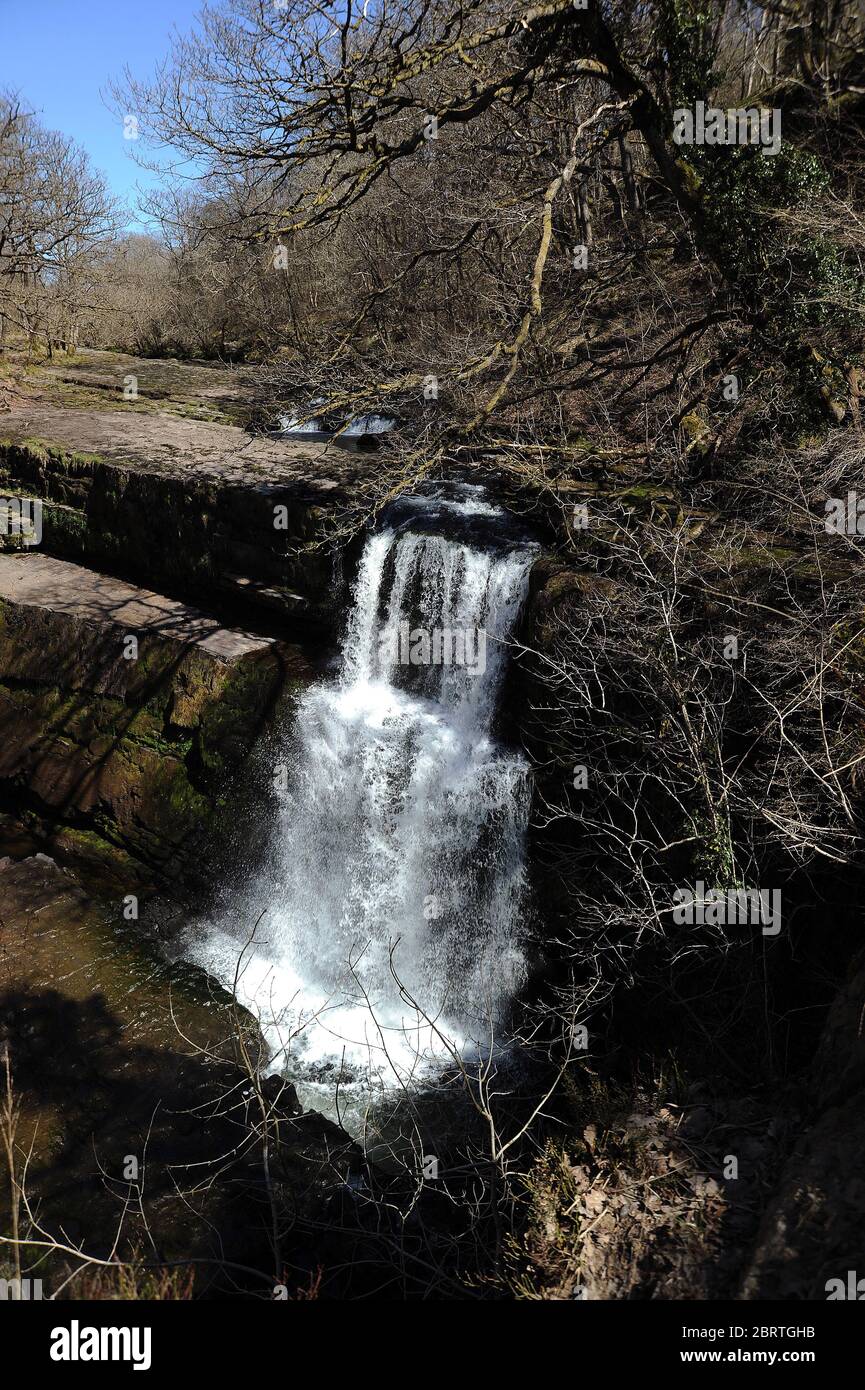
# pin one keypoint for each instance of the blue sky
(59, 54)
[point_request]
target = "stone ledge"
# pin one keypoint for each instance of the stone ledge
(127, 760)
(41, 581)
(170, 447)
(188, 505)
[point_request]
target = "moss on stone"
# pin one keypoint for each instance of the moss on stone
(138, 753)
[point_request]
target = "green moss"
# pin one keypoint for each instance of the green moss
(694, 426)
(159, 788)
(110, 866)
(43, 451)
(230, 723)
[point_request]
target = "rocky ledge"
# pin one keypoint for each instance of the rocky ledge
(123, 714)
(195, 506)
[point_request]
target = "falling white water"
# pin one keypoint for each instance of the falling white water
(390, 912)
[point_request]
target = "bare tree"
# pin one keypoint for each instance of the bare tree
(55, 218)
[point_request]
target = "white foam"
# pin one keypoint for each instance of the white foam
(390, 905)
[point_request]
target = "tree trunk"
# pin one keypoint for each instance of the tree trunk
(632, 192)
(585, 211)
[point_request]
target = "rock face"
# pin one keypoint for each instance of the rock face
(814, 1227)
(123, 713)
(197, 507)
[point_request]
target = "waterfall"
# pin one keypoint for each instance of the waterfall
(391, 908)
